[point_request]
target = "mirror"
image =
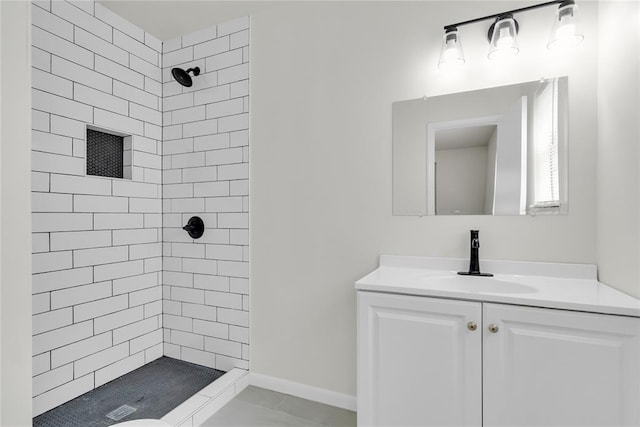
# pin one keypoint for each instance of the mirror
(496, 151)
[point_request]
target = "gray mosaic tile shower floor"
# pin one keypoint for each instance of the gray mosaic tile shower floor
(148, 392)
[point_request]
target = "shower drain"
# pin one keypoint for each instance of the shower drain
(121, 412)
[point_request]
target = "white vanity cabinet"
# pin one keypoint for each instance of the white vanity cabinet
(418, 363)
(545, 367)
(437, 362)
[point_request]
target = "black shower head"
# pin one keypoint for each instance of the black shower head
(183, 76)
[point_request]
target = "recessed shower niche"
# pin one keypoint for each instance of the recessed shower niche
(109, 153)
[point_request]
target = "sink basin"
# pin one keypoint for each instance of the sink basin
(478, 284)
(535, 284)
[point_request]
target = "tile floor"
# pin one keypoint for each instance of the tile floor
(259, 407)
(147, 392)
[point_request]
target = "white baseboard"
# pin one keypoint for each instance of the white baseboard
(304, 391)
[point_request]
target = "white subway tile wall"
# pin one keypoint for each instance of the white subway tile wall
(206, 173)
(116, 282)
(97, 287)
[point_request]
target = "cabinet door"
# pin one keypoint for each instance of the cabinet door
(418, 362)
(545, 367)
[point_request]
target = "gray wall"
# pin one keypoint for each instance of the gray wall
(618, 154)
(461, 180)
(15, 216)
(324, 76)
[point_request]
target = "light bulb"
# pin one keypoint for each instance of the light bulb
(564, 35)
(451, 55)
(503, 38)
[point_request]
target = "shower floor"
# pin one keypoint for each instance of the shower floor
(151, 391)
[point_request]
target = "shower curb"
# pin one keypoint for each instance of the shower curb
(202, 405)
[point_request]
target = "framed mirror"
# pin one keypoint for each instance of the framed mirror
(496, 151)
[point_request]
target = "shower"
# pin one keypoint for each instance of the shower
(99, 317)
(183, 76)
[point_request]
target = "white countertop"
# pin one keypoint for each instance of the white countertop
(551, 285)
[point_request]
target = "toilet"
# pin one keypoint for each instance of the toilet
(147, 422)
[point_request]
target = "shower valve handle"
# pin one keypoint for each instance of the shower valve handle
(195, 227)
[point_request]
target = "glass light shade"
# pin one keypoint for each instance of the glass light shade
(564, 33)
(504, 39)
(451, 55)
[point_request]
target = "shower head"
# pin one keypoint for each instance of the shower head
(183, 76)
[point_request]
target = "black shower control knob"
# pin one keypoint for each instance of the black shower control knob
(195, 227)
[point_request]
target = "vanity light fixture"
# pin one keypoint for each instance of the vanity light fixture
(564, 34)
(503, 37)
(451, 54)
(504, 30)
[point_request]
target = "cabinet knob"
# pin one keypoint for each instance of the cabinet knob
(472, 326)
(493, 328)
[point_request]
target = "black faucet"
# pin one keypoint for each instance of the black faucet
(474, 262)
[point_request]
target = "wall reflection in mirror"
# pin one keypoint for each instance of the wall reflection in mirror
(496, 151)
